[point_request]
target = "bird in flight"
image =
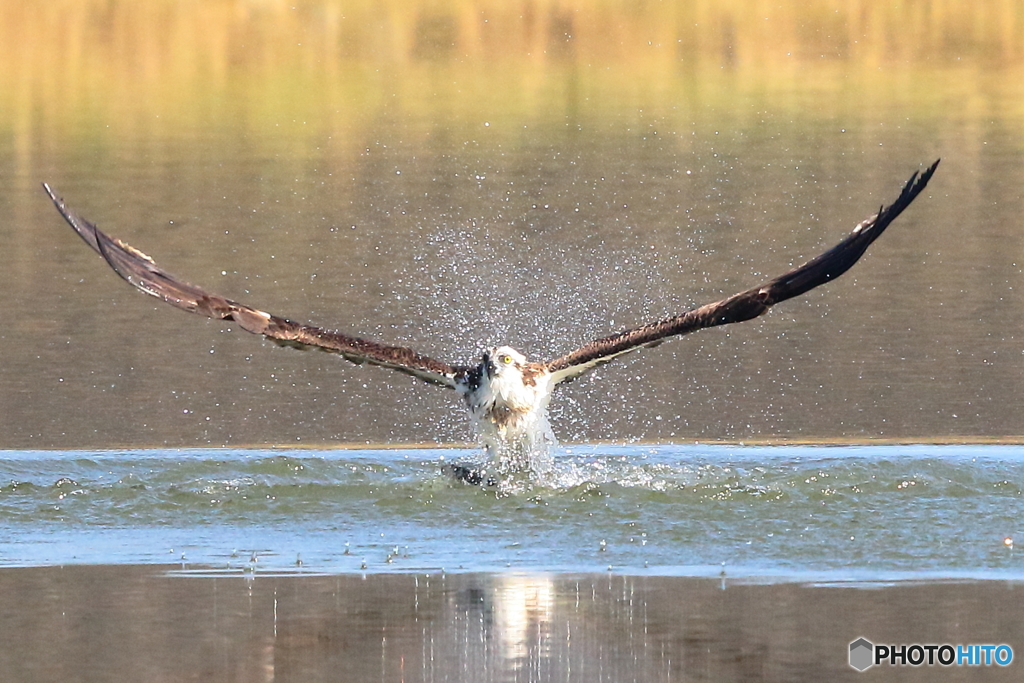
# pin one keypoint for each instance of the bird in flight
(505, 393)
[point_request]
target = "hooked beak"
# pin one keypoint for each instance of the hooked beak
(489, 367)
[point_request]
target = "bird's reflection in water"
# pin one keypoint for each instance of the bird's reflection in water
(504, 624)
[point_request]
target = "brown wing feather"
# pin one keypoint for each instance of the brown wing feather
(143, 273)
(748, 304)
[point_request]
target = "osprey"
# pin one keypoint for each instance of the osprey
(506, 394)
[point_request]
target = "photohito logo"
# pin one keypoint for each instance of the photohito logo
(864, 654)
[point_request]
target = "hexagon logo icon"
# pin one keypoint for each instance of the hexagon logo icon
(862, 654)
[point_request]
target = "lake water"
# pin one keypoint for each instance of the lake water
(621, 563)
(179, 501)
(844, 513)
(652, 563)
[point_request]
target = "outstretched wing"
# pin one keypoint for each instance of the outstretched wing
(141, 272)
(748, 304)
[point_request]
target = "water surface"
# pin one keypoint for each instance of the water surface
(792, 513)
(159, 623)
(548, 177)
(454, 176)
(643, 563)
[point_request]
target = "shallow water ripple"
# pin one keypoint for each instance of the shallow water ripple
(842, 512)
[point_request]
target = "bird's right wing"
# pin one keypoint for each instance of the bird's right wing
(141, 271)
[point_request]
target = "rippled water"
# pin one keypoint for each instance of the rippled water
(839, 512)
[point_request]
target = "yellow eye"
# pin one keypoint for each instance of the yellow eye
(506, 359)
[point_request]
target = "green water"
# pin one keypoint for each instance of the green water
(504, 190)
(793, 513)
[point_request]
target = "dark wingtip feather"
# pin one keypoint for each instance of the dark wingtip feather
(140, 271)
(85, 229)
(840, 258)
(753, 302)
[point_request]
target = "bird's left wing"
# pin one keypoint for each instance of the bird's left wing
(142, 272)
(748, 304)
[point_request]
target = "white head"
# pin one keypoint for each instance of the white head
(504, 362)
(512, 382)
